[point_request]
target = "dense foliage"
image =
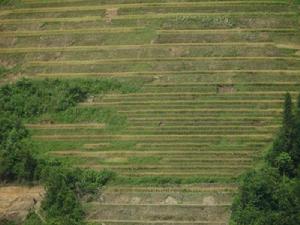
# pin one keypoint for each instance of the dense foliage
(16, 160)
(271, 194)
(28, 98)
(64, 186)
(10, 2)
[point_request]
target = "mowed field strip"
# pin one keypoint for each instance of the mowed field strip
(147, 16)
(222, 73)
(165, 5)
(204, 82)
(132, 60)
(132, 29)
(120, 47)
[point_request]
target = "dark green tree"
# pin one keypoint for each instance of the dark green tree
(288, 125)
(284, 143)
(16, 160)
(295, 151)
(61, 202)
(271, 193)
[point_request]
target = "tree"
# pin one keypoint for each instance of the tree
(266, 195)
(288, 125)
(288, 117)
(285, 141)
(16, 161)
(61, 203)
(295, 152)
(284, 163)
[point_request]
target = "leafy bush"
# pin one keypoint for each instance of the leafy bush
(265, 198)
(7, 222)
(16, 160)
(29, 98)
(7, 2)
(64, 188)
(271, 194)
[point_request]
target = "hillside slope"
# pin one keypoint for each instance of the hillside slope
(209, 76)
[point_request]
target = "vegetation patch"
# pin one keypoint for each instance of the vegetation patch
(27, 100)
(10, 3)
(31, 98)
(270, 194)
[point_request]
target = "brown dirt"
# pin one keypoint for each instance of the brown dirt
(17, 201)
(178, 51)
(110, 14)
(225, 88)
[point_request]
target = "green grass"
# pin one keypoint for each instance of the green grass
(177, 50)
(156, 84)
(166, 181)
(4, 71)
(112, 119)
(14, 3)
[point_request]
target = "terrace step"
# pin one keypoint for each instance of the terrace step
(212, 77)
(158, 212)
(142, 222)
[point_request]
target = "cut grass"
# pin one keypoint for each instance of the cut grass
(200, 31)
(179, 102)
(155, 222)
(66, 126)
(132, 47)
(204, 136)
(156, 48)
(111, 66)
(203, 187)
(148, 16)
(145, 74)
(156, 212)
(205, 95)
(161, 138)
(172, 167)
(132, 60)
(132, 29)
(143, 5)
(69, 31)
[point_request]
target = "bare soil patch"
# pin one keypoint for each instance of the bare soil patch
(225, 88)
(110, 14)
(17, 201)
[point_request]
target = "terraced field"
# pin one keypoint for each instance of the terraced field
(211, 76)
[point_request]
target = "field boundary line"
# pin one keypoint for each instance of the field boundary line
(156, 73)
(175, 1)
(141, 60)
(205, 117)
(166, 15)
(147, 16)
(138, 5)
(167, 205)
(200, 31)
(207, 126)
(146, 152)
(144, 101)
(239, 93)
(158, 222)
(65, 126)
(126, 136)
(125, 47)
(216, 83)
(69, 31)
(206, 110)
(205, 174)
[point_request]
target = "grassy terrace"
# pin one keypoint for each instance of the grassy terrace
(208, 79)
